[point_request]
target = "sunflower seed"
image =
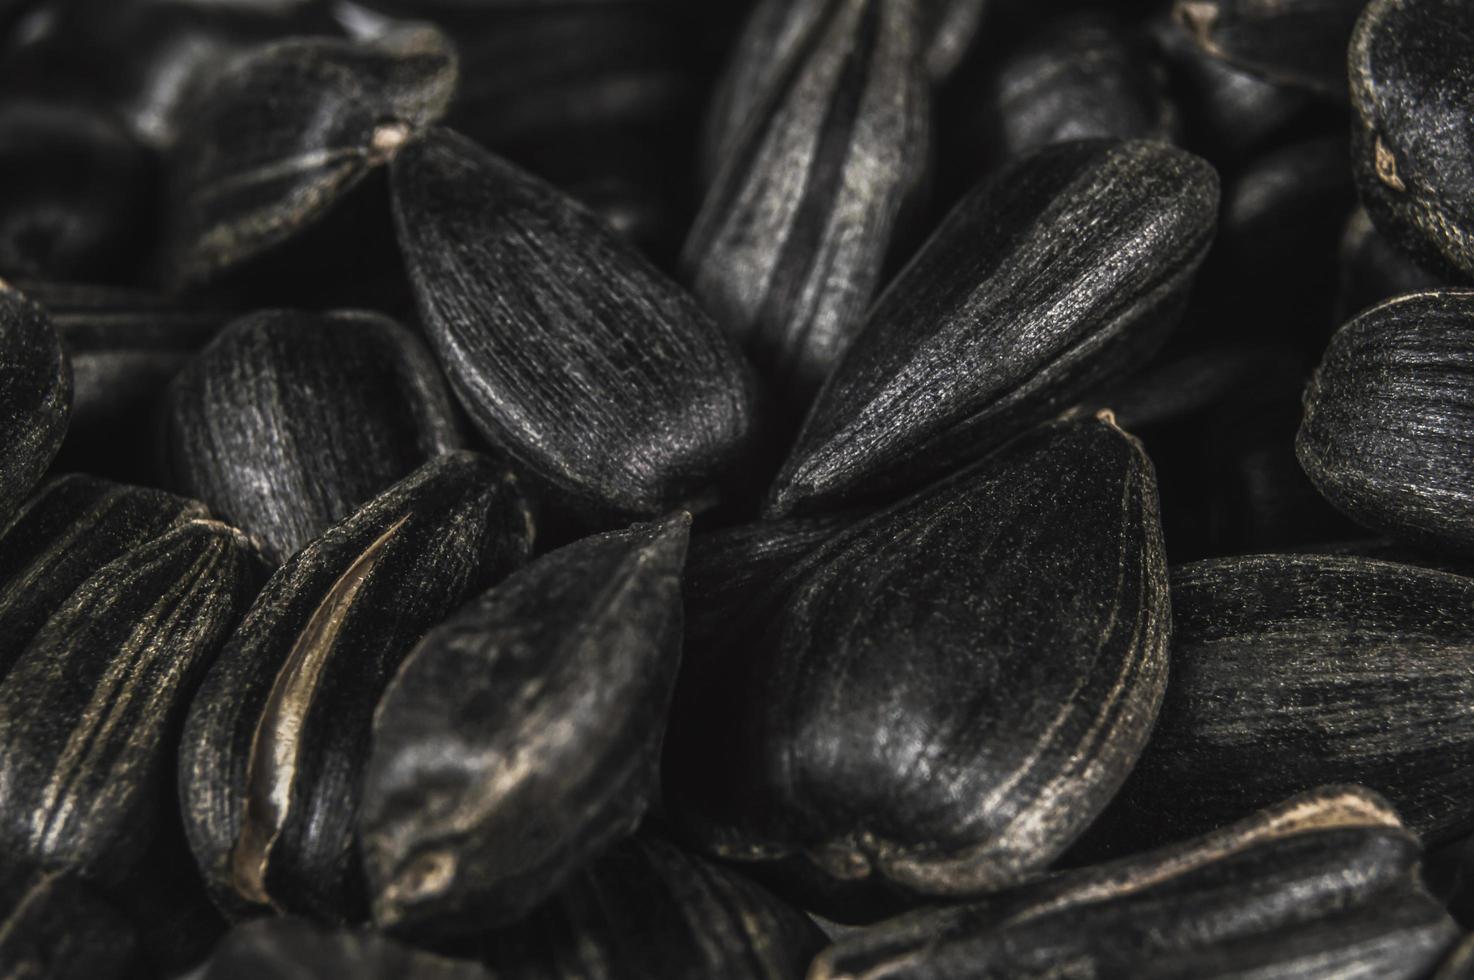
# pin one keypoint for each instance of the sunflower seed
(35, 397)
(1299, 43)
(1322, 885)
(277, 736)
(1063, 271)
(547, 696)
(1413, 94)
(647, 909)
(1289, 670)
(787, 250)
(1389, 416)
(88, 711)
(567, 349)
(54, 926)
(1373, 270)
(293, 949)
(276, 136)
(953, 688)
(289, 421)
(68, 531)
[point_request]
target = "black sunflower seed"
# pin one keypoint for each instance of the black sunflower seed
(54, 926)
(89, 711)
(275, 137)
(277, 737)
(1372, 269)
(647, 909)
(289, 421)
(1065, 270)
(565, 346)
(35, 397)
(1300, 43)
(1389, 417)
(788, 248)
(952, 689)
(69, 530)
(1290, 670)
(521, 737)
(294, 949)
(1321, 886)
(1413, 92)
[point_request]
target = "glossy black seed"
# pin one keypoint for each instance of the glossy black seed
(68, 531)
(1290, 670)
(89, 711)
(1320, 886)
(294, 949)
(289, 421)
(521, 737)
(54, 926)
(1372, 269)
(1389, 417)
(277, 737)
(1299, 43)
(788, 249)
(1412, 89)
(647, 909)
(949, 691)
(1062, 272)
(35, 397)
(567, 349)
(275, 137)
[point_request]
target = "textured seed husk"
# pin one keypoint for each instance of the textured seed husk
(35, 397)
(289, 421)
(1288, 670)
(566, 348)
(68, 531)
(1412, 92)
(294, 949)
(90, 710)
(78, 190)
(1063, 271)
(788, 248)
(270, 142)
(1085, 76)
(276, 739)
(1374, 270)
(54, 926)
(521, 737)
(647, 909)
(1389, 416)
(951, 690)
(1297, 43)
(1322, 885)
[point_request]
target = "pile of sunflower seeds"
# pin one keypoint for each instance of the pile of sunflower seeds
(748, 489)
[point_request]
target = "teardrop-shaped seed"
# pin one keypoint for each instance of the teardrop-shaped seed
(1412, 153)
(289, 421)
(89, 710)
(952, 689)
(78, 192)
(647, 909)
(1374, 270)
(1289, 670)
(1299, 43)
(1321, 886)
(277, 737)
(53, 927)
(1389, 418)
(279, 134)
(567, 349)
(35, 397)
(521, 737)
(1065, 270)
(294, 949)
(70, 529)
(788, 248)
